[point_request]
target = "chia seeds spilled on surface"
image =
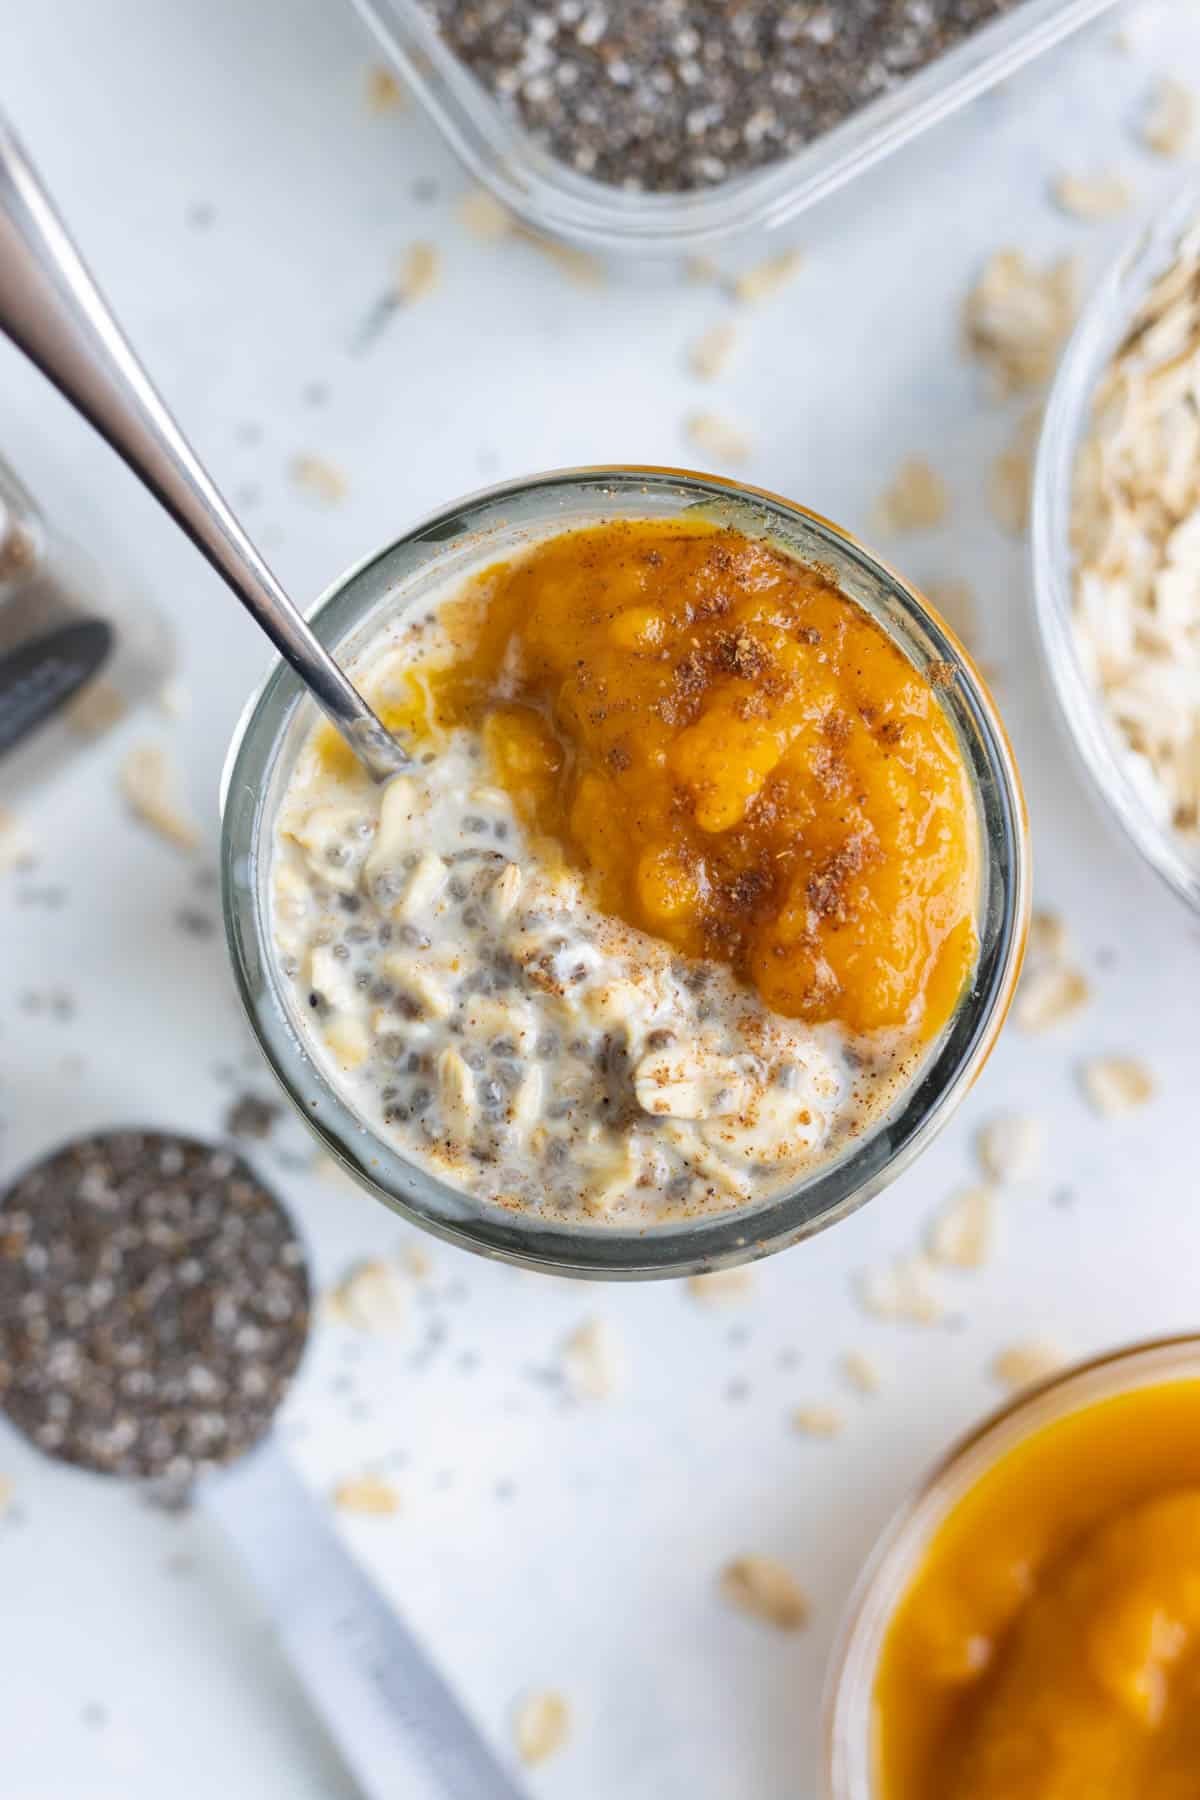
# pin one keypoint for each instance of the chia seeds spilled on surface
(154, 1305)
(666, 96)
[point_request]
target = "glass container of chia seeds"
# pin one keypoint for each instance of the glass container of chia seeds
(640, 128)
(402, 580)
(77, 649)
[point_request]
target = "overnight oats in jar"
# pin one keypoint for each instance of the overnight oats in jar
(700, 898)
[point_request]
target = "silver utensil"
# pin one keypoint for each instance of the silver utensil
(52, 310)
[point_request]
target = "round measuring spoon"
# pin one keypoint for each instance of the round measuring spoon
(154, 1306)
(52, 310)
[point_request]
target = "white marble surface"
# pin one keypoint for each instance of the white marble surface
(244, 211)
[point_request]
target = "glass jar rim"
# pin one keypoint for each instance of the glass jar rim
(562, 499)
(896, 1553)
(1103, 323)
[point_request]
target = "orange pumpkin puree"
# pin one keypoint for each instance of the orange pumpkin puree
(737, 755)
(1049, 1646)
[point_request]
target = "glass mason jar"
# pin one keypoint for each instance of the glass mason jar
(447, 548)
(78, 644)
(849, 1727)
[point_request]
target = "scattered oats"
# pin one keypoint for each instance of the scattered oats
(818, 1421)
(903, 1292)
(766, 277)
(917, 499)
(765, 1589)
(419, 272)
(370, 1297)
(481, 214)
(1022, 1364)
(541, 1725)
(955, 601)
(174, 701)
(1017, 318)
(1170, 118)
(417, 1261)
(862, 1372)
(369, 1495)
(1010, 1147)
(960, 1237)
(328, 1168)
(1049, 939)
(576, 264)
(593, 1361)
(710, 354)
(96, 708)
(148, 784)
(1135, 534)
(1048, 994)
(384, 92)
(724, 1287)
(702, 269)
(1091, 197)
(717, 437)
(1009, 490)
(320, 478)
(1116, 1084)
(16, 841)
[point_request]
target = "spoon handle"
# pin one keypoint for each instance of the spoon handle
(52, 310)
(397, 1723)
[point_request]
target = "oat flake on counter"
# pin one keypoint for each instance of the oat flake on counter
(902, 1291)
(717, 438)
(150, 786)
(960, 1237)
(317, 476)
(767, 1590)
(1170, 118)
(818, 1421)
(369, 1496)
(1010, 1147)
(710, 354)
(1017, 318)
(916, 500)
(1023, 1364)
(767, 277)
(541, 1725)
(1113, 1085)
(371, 1297)
(1091, 197)
(722, 1287)
(594, 1361)
(862, 1373)
(419, 272)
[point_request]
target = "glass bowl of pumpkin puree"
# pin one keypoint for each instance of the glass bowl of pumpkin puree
(1029, 1625)
(701, 902)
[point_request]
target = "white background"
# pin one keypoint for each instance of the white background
(245, 211)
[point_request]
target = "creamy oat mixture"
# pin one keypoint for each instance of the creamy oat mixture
(489, 1023)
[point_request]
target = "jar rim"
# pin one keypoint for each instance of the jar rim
(1145, 255)
(460, 534)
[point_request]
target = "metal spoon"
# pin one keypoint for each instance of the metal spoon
(52, 310)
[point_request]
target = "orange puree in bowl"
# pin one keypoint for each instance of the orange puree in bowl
(737, 755)
(1049, 1646)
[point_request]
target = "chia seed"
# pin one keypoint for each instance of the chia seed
(666, 96)
(154, 1304)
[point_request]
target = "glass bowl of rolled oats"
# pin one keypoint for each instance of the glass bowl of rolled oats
(1116, 542)
(698, 907)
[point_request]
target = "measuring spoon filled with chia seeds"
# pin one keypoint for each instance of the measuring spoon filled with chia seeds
(154, 1308)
